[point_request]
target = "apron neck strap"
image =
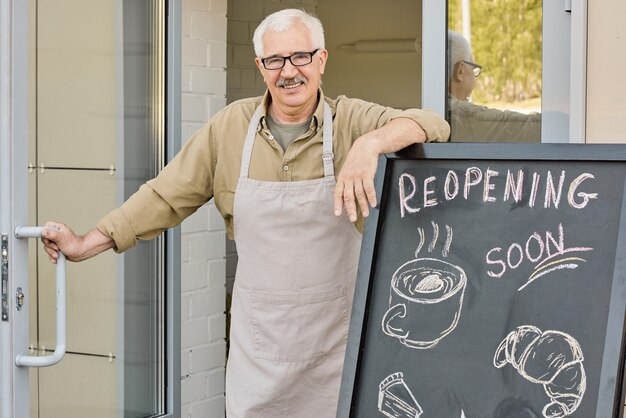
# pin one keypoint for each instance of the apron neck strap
(327, 142)
(327, 147)
(247, 146)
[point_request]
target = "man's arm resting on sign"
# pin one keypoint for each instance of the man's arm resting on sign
(59, 237)
(355, 182)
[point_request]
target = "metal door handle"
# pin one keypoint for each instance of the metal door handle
(59, 352)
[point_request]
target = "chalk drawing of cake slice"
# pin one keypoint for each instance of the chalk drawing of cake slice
(395, 399)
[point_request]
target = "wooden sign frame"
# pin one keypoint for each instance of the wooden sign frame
(610, 402)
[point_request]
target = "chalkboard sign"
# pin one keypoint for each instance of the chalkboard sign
(491, 284)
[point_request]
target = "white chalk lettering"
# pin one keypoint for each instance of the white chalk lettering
(518, 248)
(513, 187)
(451, 178)
(585, 196)
(428, 192)
(489, 186)
(502, 264)
(542, 252)
(533, 190)
(404, 198)
(553, 196)
(477, 175)
(519, 187)
(536, 237)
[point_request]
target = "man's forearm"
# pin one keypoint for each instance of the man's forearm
(95, 242)
(395, 135)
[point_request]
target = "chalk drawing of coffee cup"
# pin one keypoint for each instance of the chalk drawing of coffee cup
(425, 302)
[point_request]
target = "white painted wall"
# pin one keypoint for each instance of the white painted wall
(378, 75)
(203, 319)
(606, 66)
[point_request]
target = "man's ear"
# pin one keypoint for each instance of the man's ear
(459, 71)
(258, 63)
(323, 56)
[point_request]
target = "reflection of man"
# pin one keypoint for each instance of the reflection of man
(472, 122)
(269, 162)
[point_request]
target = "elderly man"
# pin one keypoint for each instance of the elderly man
(269, 162)
(472, 122)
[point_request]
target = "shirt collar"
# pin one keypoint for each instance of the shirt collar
(318, 115)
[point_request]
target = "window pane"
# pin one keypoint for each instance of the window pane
(503, 103)
(98, 83)
(142, 325)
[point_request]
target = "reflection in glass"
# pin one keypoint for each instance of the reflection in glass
(503, 104)
(140, 323)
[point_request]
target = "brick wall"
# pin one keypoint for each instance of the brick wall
(203, 328)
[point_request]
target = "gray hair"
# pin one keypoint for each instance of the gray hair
(282, 21)
(458, 49)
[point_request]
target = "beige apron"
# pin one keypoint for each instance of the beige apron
(292, 294)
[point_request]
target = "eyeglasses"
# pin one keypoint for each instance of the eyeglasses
(476, 69)
(298, 59)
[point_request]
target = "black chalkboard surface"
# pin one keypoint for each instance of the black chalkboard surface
(491, 284)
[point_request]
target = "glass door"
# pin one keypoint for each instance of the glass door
(494, 82)
(86, 101)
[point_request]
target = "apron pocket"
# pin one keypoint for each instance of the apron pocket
(299, 327)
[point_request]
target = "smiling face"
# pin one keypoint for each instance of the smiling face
(293, 89)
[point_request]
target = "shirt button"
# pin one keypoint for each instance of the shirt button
(286, 168)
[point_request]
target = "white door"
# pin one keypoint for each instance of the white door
(82, 124)
(14, 399)
(564, 71)
(540, 69)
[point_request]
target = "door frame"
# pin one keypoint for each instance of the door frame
(172, 321)
(14, 387)
(566, 108)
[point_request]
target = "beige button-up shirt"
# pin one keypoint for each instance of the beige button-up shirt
(208, 164)
(474, 123)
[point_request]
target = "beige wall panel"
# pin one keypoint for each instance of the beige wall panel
(606, 90)
(33, 383)
(389, 78)
(79, 199)
(32, 263)
(76, 83)
(78, 387)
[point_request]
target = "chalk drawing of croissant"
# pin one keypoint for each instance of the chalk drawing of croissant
(551, 358)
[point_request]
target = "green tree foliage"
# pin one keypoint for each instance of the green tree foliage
(506, 38)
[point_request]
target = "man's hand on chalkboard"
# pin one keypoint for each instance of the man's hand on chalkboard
(355, 182)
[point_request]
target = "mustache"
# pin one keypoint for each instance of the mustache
(283, 82)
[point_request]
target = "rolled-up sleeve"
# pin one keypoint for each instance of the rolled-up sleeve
(359, 117)
(184, 185)
(436, 128)
(142, 217)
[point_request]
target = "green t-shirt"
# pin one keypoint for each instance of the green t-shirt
(285, 134)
